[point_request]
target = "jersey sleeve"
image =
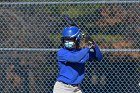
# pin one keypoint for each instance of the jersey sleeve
(95, 54)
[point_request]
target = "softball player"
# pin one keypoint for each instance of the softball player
(71, 61)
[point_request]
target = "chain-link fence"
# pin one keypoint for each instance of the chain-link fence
(30, 32)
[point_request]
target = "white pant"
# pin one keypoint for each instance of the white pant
(60, 87)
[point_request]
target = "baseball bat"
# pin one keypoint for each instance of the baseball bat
(70, 21)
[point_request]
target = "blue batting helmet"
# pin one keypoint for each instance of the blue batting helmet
(71, 32)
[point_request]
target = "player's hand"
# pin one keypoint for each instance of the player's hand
(87, 41)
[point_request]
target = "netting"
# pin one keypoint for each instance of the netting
(30, 36)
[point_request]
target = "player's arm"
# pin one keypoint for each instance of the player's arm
(96, 54)
(74, 57)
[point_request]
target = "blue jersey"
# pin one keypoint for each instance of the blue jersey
(72, 63)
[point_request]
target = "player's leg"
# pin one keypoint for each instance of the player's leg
(59, 87)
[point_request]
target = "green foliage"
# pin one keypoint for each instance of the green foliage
(78, 10)
(73, 10)
(108, 38)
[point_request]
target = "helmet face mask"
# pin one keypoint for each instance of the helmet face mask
(69, 44)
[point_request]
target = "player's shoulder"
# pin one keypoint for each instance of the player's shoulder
(61, 51)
